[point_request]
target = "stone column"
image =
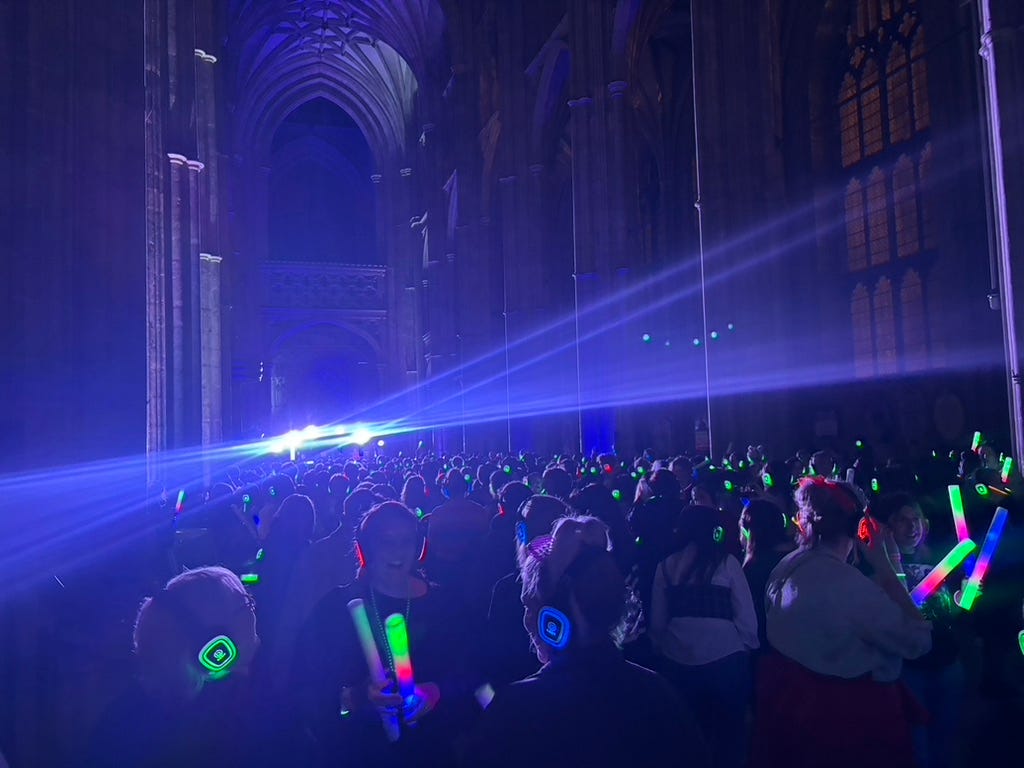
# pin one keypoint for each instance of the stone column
(1002, 52)
(212, 360)
(194, 343)
(178, 263)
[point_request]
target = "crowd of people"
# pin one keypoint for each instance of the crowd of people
(574, 610)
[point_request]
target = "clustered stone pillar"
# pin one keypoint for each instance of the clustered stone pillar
(211, 348)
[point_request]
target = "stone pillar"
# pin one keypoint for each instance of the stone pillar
(194, 344)
(179, 292)
(212, 360)
(1002, 52)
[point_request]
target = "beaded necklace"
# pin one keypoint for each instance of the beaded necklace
(380, 625)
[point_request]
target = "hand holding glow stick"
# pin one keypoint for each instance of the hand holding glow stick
(373, 662)
(938, 574)
(398, 641)
(988, 548)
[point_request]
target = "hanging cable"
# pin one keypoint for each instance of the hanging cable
(700, 228)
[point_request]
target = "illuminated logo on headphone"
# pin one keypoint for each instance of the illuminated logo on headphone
(218, 655)
(554, 627)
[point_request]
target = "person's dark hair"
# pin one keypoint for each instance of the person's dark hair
(827, 510)
(512, 496)
(766, 524)
(556, 482)
(414, 493)
(889, 504)
(700, 527)
(665, 484)
(455, 484)
(294, 523)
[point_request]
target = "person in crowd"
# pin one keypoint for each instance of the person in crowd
(341, 705)
(556, 482)
(180, 710)
(651, 521)
(507, 652)
(765, 541)
(937, 678)
(839, 639)
(587, 705)
(415, 497)
(704, 627)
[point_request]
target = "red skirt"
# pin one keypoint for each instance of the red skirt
(806, 719)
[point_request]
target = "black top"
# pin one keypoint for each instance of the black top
(588, 707)
(329, 658)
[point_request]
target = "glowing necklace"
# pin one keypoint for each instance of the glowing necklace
(380, 625)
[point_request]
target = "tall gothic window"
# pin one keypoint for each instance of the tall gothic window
(884, 116)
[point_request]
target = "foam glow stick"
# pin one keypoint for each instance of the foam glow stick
(358, 611)
(938, 574)
(398, 640)
(976, 442)
(1007, 470)
(988, 548)
(956, 503)
(180, 506)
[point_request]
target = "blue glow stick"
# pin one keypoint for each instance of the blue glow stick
(988, 548)
(930, 583)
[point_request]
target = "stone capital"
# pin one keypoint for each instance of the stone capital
(176, 159)
(405, 172)
(376, 178)
(537, 169)
(204, 56)
(209, 257)
(508, 179)
(583, 101)
(618, 87)
(195, 165)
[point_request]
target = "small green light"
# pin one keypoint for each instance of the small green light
(859, 443)
(728, 485)
(696, 342)
(646, 338)
(874, 484)
(719, 534)
(259, 554)
(641, 470)
(507, 469)
(981, 489)
(769, 481)
(250, 578)
(617, 494)
(714, 334)
(638, 542)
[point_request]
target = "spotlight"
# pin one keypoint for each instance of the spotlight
(730, 327)
(696, 342)
(646, 338)
(380, 443)
(714, 334)
(361, 436)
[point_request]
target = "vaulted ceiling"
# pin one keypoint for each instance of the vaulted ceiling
(368, 57)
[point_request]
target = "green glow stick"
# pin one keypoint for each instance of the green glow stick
(956, 503)
(988, 548)
(930, 583)
(362, 623)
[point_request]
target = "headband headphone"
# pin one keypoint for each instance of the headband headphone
(213, 647)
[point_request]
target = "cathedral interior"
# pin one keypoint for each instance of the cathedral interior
(558, 225)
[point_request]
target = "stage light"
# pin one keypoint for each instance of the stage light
(730, 327)
(361, 436)
(668, 343)
(380, 443)
(646, 338)
(714, 335)
(696, 341)
(310, 433)
(859, 443)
